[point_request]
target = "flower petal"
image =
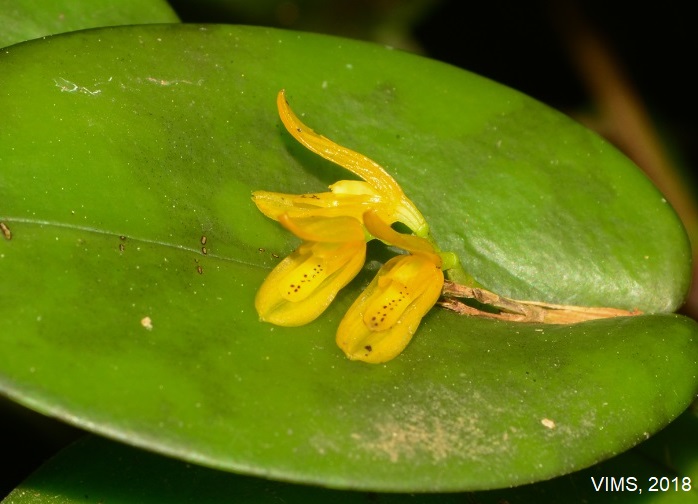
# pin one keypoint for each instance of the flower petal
(382, 321)
(414, 244)
(324, 229)
(304, 284)
(325, 204)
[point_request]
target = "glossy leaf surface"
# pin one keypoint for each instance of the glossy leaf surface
(121, 149)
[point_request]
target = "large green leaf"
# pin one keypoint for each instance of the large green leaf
(122, 147)
(29, 19)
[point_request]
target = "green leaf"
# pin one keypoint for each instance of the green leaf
(30, 19)
(122, 148)
(97, 470)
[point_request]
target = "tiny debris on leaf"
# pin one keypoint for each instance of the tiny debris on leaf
(548, 423)
(6, 231)
(147, 323)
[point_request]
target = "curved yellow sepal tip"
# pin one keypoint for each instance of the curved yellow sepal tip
(356, 163)
(396, 206)
(382, 321)
(304, 284)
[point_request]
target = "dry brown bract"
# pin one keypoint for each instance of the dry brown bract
(522, 311)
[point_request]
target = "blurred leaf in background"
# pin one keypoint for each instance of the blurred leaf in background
(30, 19)
(388, 22)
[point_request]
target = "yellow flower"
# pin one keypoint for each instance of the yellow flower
(334, 227)
(303, 285)
(382, 321)
(377, 191)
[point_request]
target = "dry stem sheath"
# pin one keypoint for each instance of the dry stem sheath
(522, 311)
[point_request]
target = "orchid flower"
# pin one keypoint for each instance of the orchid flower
(334, 227)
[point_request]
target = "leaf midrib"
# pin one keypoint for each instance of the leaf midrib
(88, 229)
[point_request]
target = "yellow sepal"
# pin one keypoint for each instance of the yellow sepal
(325, 204)
(303, 285)
(382, 321)
(394, 204)
(324, 229)
(356, 163)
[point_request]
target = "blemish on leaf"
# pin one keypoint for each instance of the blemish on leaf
(121, 247)
(199, 270)
(204, 251)
(5, 231)
(420, 427)
(204, 240)
(67, 86)
(173, 82)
